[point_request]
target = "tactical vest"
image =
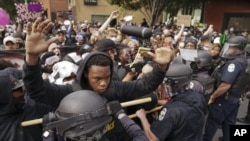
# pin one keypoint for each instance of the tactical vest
(207, 83)
(241, 81)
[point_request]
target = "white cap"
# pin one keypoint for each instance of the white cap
(9, 38)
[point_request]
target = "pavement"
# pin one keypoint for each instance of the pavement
(241, 113)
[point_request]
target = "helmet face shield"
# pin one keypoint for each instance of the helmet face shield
(174, 86)
(228, 50)
(170, 87)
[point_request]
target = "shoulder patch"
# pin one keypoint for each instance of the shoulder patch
(162, 114)
(231, 68)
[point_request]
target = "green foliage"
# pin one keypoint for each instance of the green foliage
(127, 4)
(154, 8)
(9, 6)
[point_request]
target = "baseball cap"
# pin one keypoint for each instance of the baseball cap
(9, 38)
(105, 45)
(60, 31)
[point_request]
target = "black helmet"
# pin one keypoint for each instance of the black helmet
(177, 78)
(238, 42)
(81, 113)
(203, 60)
(247, 48)
(235, 42)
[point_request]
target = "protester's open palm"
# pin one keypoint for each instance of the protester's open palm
(114, 14)
(36, 33)
(162, 56)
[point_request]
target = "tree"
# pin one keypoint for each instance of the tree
(152, 9)
(187, 5)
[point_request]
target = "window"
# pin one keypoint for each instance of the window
(99, 18)
(239, 21)
(90, 2)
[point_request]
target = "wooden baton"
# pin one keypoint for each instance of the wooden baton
(123, 104)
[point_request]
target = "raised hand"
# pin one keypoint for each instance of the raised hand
(114, 14)
(162, 56)
(36, 42)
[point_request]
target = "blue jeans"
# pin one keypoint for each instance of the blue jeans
(222, 112)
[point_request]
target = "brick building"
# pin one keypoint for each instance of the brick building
(224, 14)
(56, 9)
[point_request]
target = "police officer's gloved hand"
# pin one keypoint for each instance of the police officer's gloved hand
(149, 105)
(116, 108)
(48, 118)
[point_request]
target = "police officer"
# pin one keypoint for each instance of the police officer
(182, 118)
(224, 102)
(88, 118)
(246, 119)
(201, 81)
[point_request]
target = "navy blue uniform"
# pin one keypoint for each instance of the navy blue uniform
(225, 108)
(181, 119)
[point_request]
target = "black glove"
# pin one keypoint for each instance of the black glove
(149, 105)
(48, 118)
(116, 108)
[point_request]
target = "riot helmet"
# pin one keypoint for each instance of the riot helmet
(247, 50)
(177, 78)
(82, 115)
(203, 61)
(234, 46)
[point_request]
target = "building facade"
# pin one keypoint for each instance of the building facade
(99, 10)
(224, 14)
(56, 9)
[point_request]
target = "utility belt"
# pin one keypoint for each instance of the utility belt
(227, 96)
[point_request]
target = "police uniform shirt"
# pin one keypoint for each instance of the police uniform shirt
(178, 121)
(230, 72)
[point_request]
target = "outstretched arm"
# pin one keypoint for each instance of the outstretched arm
(178, 36)
(36, 42)
(112, 16)
(133, 130)
(146, 125)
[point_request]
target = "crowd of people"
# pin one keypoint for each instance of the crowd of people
(77, 75)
